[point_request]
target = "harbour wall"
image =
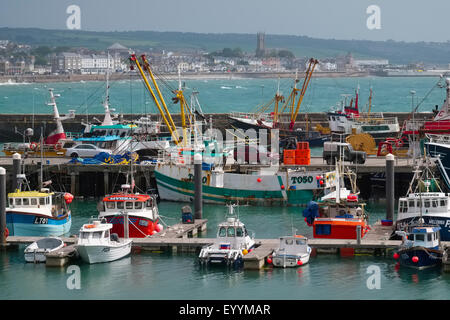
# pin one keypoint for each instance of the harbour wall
(10, 122)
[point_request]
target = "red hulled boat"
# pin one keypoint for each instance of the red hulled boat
(141, 209)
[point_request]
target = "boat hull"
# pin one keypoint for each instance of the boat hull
(138, 227)
(102, 253)
(289, 261)
(338, 228)
(427, 258)
(23, 224)
(176, 183)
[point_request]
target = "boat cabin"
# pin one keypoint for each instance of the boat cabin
(232, 234)
(426, 203)
(291, 245)
(427, 237)
(95, 232)
(43, 199)
(128, 202)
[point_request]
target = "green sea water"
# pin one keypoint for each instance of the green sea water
(222, 95)
(167, 276)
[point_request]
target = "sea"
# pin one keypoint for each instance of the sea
(178, 276)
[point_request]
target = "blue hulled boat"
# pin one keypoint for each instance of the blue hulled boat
(420, 248)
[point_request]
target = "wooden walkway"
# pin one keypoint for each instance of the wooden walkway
(182, 238)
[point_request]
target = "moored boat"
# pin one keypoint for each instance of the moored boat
(96, 244)
(425, 200)
(420, 248)
(36, 252)
(231, 244)
(293, 251)
(141, 210)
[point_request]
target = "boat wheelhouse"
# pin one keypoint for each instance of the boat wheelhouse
(38, 213)
(140, 209)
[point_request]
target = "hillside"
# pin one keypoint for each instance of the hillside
(395, 51)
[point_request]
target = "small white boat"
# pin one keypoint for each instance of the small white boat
(293, 252)
(231, 244)
(36, 251)
(96, 244)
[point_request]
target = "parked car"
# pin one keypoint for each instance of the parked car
(84, 151)
(333, 150)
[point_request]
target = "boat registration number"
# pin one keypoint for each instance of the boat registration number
(40, 220)
(304, 179)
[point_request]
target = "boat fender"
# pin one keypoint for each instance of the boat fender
(6, 233)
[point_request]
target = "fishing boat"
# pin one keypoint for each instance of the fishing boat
(141, 210)
(131, 214)
(339, 214)
(38, 213)
(440, 124)
(425, 201)
(97, 244)
(420, 248)
(347, 119)
(293, 251)
(54, 145)
(263, 186)
(36, 252)
(231, 244)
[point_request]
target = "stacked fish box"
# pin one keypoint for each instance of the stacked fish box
(299, 156)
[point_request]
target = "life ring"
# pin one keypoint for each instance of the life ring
(399, 143)
(33, 145)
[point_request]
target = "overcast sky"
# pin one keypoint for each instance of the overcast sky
(403, 20)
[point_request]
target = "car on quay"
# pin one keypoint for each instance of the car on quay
(84, 150)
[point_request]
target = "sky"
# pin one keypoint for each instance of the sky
(400, 20)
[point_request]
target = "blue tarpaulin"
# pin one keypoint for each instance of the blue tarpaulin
(311, 212)
(107, 158)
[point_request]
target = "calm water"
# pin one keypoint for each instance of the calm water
(220, 96)
(164, 276)
(178, 277)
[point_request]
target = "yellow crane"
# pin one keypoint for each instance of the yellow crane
(143, 67)
(312, 64)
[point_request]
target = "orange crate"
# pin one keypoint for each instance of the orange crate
(289, 160)
(303, 161)
(302, 153)
(302, 145)
(289, 153)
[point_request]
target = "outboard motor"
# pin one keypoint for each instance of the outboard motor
(186, 215)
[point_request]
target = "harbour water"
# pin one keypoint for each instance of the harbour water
(167, 276)
(221, 95)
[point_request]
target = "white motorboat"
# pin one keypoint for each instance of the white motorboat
(292, 252)
(36, 251)
(96, 244)
(231, 244)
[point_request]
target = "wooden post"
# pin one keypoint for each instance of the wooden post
(2, 206)
(198, 192)
(390, 164)
(358, 235)
(16, 170)
(106, 181)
